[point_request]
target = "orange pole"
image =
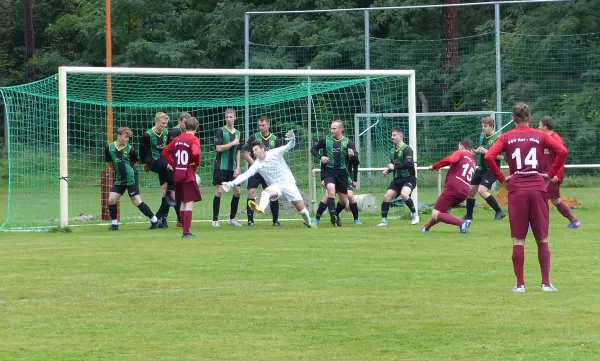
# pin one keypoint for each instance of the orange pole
(107, 175)
(109, 110)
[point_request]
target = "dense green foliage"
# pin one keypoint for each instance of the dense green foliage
(551, 52)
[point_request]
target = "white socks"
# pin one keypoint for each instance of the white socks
(265, 198)
(305, 215)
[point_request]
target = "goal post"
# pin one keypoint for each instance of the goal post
(321, 81)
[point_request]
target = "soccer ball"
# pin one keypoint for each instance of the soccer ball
(198, 180)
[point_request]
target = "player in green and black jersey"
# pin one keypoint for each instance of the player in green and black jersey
(269, 141)
(353, 163)
(402, 165)
(151, 145)
(483, 179)
(121, 157)
(227, 166)
(334, 151)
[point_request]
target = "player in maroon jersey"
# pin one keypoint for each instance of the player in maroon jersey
(553, 189)
(186, 149)
(527, 199)
(457, 186)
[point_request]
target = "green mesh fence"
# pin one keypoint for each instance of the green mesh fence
(558, 75)
(32, 114)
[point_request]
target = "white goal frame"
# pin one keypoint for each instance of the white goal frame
(63, 115)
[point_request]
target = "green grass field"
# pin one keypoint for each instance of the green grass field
(350, 293)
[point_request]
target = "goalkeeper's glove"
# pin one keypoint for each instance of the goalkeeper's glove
(227, 186)
(290, 135)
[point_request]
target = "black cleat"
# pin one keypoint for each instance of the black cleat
(154, 225)
(499, 215)
(162, 223)
(188, 235)
(465, 218)
(250, 224)
(113, 227)
(333, 220)
(338, 222)
(276, 224)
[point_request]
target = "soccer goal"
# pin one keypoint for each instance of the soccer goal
(58, 128)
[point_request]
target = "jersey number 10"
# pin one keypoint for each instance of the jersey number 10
(182, 156)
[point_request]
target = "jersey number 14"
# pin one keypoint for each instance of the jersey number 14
(530, 159)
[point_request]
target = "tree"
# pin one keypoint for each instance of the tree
(29, 39)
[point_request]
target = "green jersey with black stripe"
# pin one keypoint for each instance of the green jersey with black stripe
(486, 141)
(123, 161)
(226, 160)
(335, 149)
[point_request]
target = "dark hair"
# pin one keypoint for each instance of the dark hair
(467, 143)
(264, 118)
(183, 116)
(259, 143)
(190, 123)
(521, 113)
(548, 123)
(398, 130)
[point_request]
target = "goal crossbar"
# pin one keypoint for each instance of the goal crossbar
(64, 71)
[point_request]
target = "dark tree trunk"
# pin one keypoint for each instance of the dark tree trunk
(449, 35)
(29, 38)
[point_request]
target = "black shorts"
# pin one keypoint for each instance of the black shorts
(339, 177)
(159, 166)
(398, 183)
(257, 180)
(221, 176)
(483, 177)
(132, 189)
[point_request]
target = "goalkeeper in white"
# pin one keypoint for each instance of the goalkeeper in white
(280, 180)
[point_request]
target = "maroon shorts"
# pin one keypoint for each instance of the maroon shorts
(525, 209)
(449, 199)
(187, 192)
(553, 190)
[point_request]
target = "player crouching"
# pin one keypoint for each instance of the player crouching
(456, 189)
(122, 158)
(280, 180)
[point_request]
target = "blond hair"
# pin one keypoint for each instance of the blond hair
(124, 130)
(489, 121)
(159, 116)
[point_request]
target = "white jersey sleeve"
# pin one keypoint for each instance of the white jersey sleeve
(247, 174)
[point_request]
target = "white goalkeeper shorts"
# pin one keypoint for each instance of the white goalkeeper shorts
(290, 192)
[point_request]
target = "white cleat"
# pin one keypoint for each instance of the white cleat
(548, 288)
(216, 224)
(233, 222)
(415, 220)
(310, 224)
(518, 289)
(382, 224)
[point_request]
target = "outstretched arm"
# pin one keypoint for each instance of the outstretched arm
(449, 160)
(247, 174)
